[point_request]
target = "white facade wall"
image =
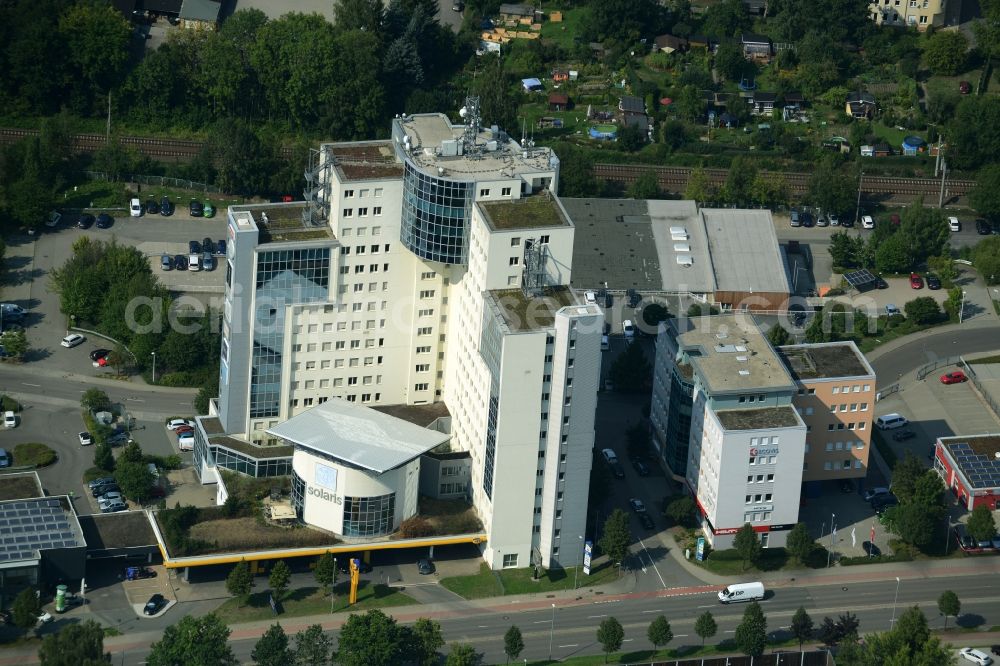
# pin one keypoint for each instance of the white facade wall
(324, 506)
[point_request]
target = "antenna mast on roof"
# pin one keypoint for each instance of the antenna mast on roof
(473, 121)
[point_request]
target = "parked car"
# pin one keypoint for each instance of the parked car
(983, 227)
(180, 430)
(44, 617)
(174, 424)
(933, 282)
(916, 282)
(207, 262)
(617, 470)
(880, 283)
(880, 504)
(903, 435)
(975, 656)
(807, 219)
(795, 219)
(637, 505)
(102, 481)
(821, 220)
(53, 219)
(167, 262)
(633, 298)
(114, 507)
(135, 208)
(647, 521)
(194, 247)
(86, 439)
(194, 262)
(458, 6)
(85, 221)
(208, 245)
(180, 262)
(220, 249)
(152, 208)
(166, 207)
(209, 209)
(640, 467)
(119, 439)
(954, 224)
(104, 221)
(871, 550)
(867, 222)
(154, 605)
(97, 491)
(72, 340)
(956, 377)
(609, 455)
(196, 209)
(834, 219)
(12, 311)
(425, 566)
(891, 309)
(111, 497)
(872, 493)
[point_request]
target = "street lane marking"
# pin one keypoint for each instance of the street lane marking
(27, 384)
(681, 635)
(708, 606)
(645, 550)
(570, 645)
(484, 626)
(729, 631)
(135, 399)
(541, 621)
(653, 611)
(591, 617)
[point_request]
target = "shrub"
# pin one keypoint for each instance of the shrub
(33, 453)
(8, 404)
(414, 527)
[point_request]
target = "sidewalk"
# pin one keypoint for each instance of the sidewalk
(135, 382)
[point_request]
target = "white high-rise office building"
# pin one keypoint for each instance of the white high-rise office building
(432, 267)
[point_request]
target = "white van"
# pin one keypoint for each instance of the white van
(890, 421)
(591, 297)
(628, 330)
(9, 420)
(742, 592)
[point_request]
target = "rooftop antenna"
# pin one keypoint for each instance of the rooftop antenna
(470, 114)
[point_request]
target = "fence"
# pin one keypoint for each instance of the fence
(161, 181)
(927, 369)
(782, 658)
(983, 393)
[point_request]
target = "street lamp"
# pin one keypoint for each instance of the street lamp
(961, 309)
(552, 626)
(154, 366)
(833, 531)
(576, 568)
(894, 600)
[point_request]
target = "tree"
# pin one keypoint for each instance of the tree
(15, 344)
(912, 523)
(751, 633)
(747, 544)
(986, 258)
(832, 190)
(631, 139)
(95, 400)
(104, 459)
(985, 196)
(195, 641)
(462, 654)
(681, 510)
(729, 61)
(426, 640)
(893, 255)
(827, 632)
(946, 52)
(698, 187)
(131, 453)
(923, 310)
(135, 480)
(800, 543)
(847, 251)
(653, 314)
(948, 604)
(370, 638)
(981, 525)
(26, 609)
(513, 643)
(326, 571)
(802, 626)
(616, 537)
(631, 371)
(778, 336)
(925, 230)
(358, 15)
(646, 186)
(498, 99)
(239, 581)
(272, 648)
(74, 645)
(739, 182)
(726, 18)
(705, 626)
(312, 647)
(905, 474)
(279, 579)
(610, 635)
(659, 632)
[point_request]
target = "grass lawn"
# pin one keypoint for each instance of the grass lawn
(726, 646)
(562, 33)
(312, 601)
(518, 581)
(33, 453)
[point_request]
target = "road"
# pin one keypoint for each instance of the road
(924, 348)
(572, 624)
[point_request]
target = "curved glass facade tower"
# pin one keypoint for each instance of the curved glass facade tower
(435, 216)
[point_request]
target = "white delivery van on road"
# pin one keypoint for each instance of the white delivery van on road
(742, 592)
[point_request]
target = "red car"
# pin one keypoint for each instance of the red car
(956, 377)
(916, 282)
(181, 429)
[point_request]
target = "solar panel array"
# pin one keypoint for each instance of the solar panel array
(27, 527)
(861, 279)
(982, 471)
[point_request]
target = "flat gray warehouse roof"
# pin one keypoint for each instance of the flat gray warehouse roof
(613, 244)
(673, 247)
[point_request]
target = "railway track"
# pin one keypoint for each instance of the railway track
(178, 150)
(675, 179)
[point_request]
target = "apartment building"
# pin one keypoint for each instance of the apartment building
(429, 268)
(730, 413)
(919, 14)
(835, 398)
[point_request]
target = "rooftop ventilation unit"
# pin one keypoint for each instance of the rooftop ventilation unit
(745, 373)
(685, 260)
(743, 359)
(682, 247)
